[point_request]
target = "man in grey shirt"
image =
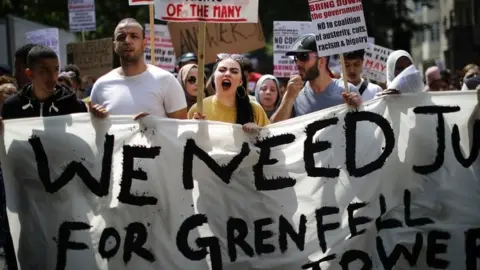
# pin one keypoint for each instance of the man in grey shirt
(320, 91)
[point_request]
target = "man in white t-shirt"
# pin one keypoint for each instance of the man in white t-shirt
(137, 88)
(354, 68)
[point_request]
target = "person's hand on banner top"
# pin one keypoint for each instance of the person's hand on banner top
(251, 128)
(294, 86)
(198, 116)
(352, 99)
(389, 92)
(140, 116)
(97, 110)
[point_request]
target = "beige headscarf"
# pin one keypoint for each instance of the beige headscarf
(182, 79)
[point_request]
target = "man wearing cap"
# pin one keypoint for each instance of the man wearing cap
(320, 90)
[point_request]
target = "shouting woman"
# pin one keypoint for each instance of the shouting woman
(231, 103)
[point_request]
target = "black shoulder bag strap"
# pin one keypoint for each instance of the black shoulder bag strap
(363, 87)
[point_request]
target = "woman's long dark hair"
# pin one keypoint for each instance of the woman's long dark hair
(242, 100)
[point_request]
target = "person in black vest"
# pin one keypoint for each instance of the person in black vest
(354, 70)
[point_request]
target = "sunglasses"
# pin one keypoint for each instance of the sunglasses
(192, 80)
(222, 56)
(302, 57)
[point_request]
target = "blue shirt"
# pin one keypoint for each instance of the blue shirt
(308, 101)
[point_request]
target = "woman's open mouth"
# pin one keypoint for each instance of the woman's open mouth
(226, 84)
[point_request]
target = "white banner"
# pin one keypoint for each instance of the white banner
(164, 51)
(375, 63)
(392, 187)
(46, 37)
(284, 35)
(340, 26)
(222, 11)
(81, 14)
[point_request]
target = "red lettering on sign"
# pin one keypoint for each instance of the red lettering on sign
(174, 11)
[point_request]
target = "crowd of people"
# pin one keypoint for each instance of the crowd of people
(234, 92)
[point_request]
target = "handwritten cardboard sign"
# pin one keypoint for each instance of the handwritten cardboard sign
(220, 11)
(94, 57)
(220, 38)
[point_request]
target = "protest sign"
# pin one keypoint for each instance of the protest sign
(284, 35)
(392, 187)
(81, 14)
(340, 26)
(223, 11)
(375, 63)
(220, 38)
(140, 2)
(93, 57)
(47, 37)
(164, 52)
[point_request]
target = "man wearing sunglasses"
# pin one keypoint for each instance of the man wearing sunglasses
(314, 89)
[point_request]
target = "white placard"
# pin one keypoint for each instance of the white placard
(47, 37)
(339, 25)
(164, 51)
(140, 2)
(387, 187)
(81, 14)
(224, 11)
(284, 35)
(375, 63)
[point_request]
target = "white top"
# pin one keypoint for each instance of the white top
(371, 91)
(155, 91)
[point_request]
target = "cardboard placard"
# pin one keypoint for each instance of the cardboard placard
(94, 57)
(221, 38)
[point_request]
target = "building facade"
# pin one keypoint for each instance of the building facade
(461, 39)
(426, 43)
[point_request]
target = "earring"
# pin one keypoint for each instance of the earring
(244, 92)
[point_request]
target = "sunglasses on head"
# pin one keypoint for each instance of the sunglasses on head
(302, 57)
(222, 56)
(192, 80)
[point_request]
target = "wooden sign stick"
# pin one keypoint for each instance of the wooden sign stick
(344, 73)
(202, 32)
(152, 33)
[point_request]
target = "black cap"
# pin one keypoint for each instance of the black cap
(303, 44)
(473, 83)
(187, 57)
(306, 44)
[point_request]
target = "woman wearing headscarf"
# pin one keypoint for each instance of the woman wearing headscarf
(468, 72)
(397, 61)
(188, 78)
(267, 93)
(402, 76)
